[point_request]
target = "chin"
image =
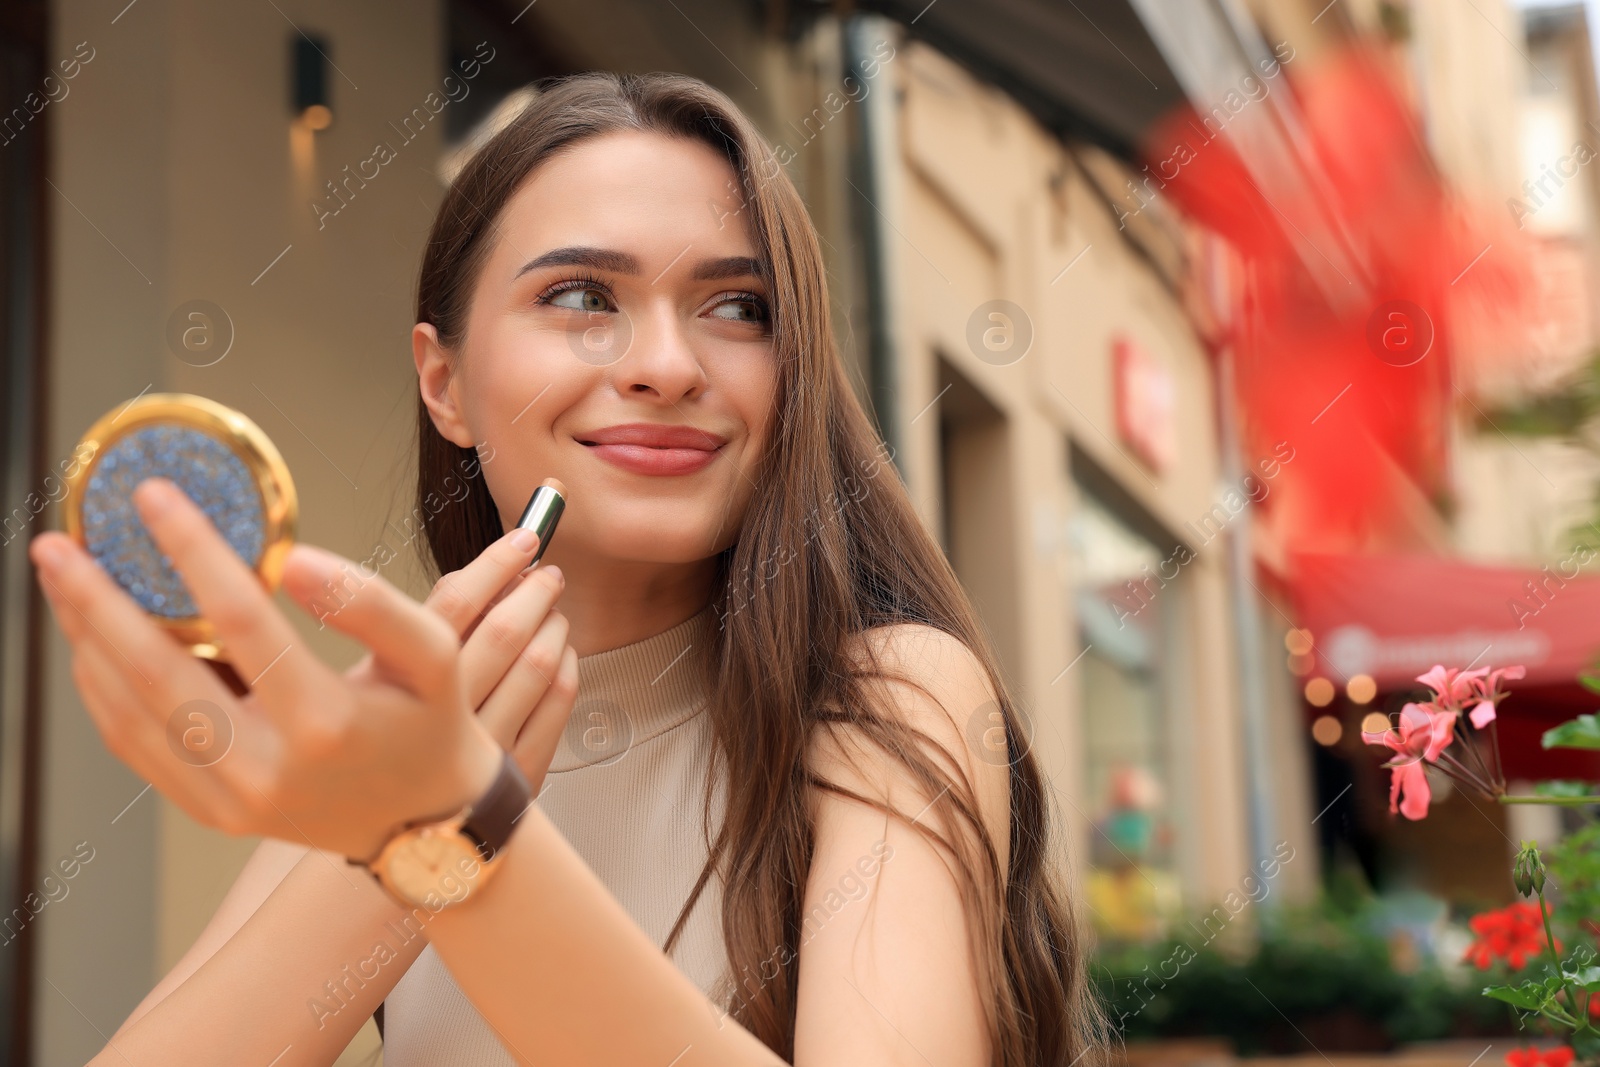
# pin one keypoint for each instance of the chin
(655, 531)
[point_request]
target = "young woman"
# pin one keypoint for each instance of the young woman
(790, 816)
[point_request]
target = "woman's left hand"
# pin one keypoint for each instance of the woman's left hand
(336, 761)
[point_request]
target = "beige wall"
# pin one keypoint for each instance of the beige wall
(1468, 65)
(176, 183)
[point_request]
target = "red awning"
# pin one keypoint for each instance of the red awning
(1394, 616)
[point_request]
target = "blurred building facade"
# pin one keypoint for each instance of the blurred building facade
(1017, 306)
(1523, 497)
(1504, 95)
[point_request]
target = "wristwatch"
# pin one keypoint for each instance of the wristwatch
(437, 863)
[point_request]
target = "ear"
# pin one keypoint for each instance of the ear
(438, 385)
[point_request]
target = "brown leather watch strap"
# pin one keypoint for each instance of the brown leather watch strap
(491, 821)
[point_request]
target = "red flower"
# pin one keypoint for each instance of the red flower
(1512, 934)
(1559, 1056)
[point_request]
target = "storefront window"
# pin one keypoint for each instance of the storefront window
(1125, 595)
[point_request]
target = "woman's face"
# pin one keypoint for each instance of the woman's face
(618, 338)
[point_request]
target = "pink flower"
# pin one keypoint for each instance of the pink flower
(1487, 693)
(1452, 686)
(1409, 786)
(1423, 731)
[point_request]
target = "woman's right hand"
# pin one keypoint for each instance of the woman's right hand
(520, 673)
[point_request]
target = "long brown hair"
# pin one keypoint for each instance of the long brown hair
(828, 549)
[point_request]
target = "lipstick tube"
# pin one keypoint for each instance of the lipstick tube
(543, 512)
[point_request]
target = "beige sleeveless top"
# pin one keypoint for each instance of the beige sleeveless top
(627, 788)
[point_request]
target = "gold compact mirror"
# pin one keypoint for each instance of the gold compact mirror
(220, 459)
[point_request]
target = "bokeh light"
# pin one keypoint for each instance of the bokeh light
(1361, 688)
(1327, 730)
(1319, 692)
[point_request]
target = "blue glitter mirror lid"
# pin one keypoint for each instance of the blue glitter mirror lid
(219, 458)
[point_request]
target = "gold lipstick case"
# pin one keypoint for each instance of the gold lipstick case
(543, 512)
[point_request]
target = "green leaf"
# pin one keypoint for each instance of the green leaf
(1587, 979)
(1590, 681)
(1582, 732)
(1562, 788)
(1530, 996)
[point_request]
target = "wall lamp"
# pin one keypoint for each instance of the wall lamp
(309, 82)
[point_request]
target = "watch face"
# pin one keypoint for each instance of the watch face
(433, 866)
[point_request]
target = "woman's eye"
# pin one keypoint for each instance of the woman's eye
(741, 310)
(582, 300)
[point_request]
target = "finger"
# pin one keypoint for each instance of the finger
(536, 745)
(461, 596)
(410, 644)
(68, 618)
(505, 591)
(230, 595)
(68, 621)
(181, 771)
(114, 697)
(135, 681)
(526, 681)
(506, 632)
(99, 685)
(92, 608)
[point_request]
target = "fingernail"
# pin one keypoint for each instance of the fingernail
(155, 496)
(323, 564)
(524, 540)
(553, 569)
(48, 554)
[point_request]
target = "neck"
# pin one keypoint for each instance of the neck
(613, 602)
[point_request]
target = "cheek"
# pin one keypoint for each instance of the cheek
(755, 383)
(512, 394)
(513, 374)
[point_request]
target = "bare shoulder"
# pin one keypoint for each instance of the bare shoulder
(931, 681)
(908, 643)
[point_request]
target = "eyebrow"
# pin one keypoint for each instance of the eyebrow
(622, 263)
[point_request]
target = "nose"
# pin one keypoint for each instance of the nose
(661, 361)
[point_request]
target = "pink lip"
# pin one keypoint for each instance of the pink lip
(649, 448)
